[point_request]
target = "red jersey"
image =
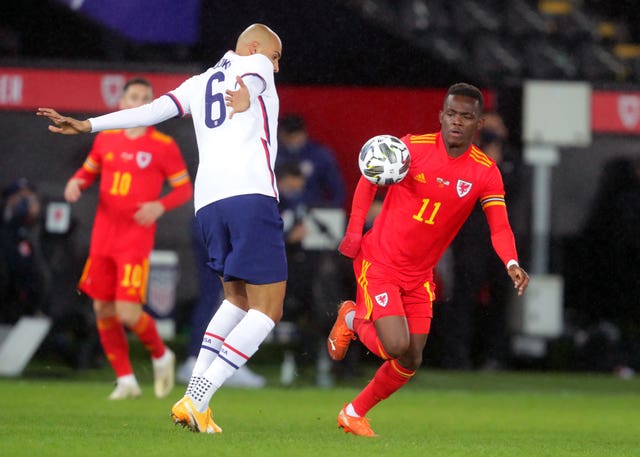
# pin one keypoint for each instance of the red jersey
(132, 171)
(422, 214)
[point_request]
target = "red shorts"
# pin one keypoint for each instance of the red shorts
(122, 278)
(380, 293)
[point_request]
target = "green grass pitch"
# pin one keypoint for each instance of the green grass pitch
(437, 414)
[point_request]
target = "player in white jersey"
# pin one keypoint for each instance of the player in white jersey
(234, 107)
(235, 157)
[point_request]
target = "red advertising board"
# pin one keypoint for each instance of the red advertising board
(71, 90)
(343, 118)
(615, 112)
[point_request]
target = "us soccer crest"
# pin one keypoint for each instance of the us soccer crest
(463, 187)
(382, 299)
(143, 159)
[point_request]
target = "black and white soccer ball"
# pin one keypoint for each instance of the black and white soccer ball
(384, 160)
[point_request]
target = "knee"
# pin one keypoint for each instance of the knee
(396, 348)
(129, 315)
(274, 314)
(238, 300)
(411, 360)
(103, 309)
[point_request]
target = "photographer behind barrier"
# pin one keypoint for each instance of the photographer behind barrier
(21, 274)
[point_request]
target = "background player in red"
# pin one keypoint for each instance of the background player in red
(133, 165)
(394, 261)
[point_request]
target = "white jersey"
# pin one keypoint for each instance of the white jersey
(236, 156)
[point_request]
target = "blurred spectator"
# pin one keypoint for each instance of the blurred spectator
(291, 186)
(309, 297)
(473, 318)
(301, 263)
(210, 295)
(38, 264)
(324, 182)
(308, 177)
(22, 273)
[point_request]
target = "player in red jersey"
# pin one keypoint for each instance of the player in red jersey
(133, 165)
(394, 261)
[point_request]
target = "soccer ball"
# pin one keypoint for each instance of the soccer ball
(384, 160)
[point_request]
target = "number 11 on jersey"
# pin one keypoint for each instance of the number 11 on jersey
(425, 204)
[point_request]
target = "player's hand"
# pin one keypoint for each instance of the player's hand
(238, 100)
(148, 213)
(73, 190)
(297, 233)
(519, 277)
(63, 124)
(350, 245)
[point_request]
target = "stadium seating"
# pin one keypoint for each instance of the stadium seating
(507, 40)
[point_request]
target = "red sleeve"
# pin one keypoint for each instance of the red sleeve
(92, 165)
(362, 198)
(87, 176)
(177, 196)
(502, 237)
(178, 177)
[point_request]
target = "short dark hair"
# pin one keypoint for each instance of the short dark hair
(292, 122)
(136, 80)
(16, 186)
(467, 90)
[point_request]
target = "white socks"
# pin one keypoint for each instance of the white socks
(350, 411)
(348, 319)
(241, 343)
(128, 379)
(222, 322)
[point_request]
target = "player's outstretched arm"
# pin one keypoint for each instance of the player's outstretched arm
(63, 124)
(519, 277)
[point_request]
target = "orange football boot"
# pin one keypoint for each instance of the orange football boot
(185, 413)
(356, 425)
(341, 336)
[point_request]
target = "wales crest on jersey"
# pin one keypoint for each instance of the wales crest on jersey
(463, 187)
(382, 299)
(143, 159)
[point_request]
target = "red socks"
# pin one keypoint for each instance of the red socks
(115, 344)
(147, 332)
(389, 378)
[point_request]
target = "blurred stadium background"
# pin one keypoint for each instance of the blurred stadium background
(353, 68)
